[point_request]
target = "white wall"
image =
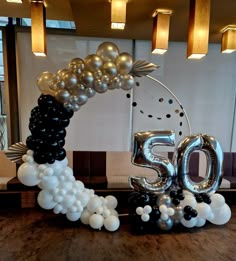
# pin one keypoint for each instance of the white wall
(206, 89)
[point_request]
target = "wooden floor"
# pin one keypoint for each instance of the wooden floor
(36, 234)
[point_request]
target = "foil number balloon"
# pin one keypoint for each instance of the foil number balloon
(144, 156)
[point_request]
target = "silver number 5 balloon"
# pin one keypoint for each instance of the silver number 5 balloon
(143, 156)
(214, 155)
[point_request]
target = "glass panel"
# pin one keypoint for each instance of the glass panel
(52, 23)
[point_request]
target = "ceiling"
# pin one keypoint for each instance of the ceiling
(92, 17)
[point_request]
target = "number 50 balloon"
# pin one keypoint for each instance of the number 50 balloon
(143, 156)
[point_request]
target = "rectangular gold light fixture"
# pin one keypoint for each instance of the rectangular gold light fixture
(38, 28)
(15, 1)
(198, 29)
(228, 42)
(160, 32)
(118, 14)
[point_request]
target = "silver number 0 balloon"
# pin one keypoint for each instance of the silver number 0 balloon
(214, 155)
(143, 156)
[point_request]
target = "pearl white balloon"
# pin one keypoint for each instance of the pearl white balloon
(57, 209)
(94, 203)
(203, 210)
(189, 200)
(124, 63)
(107, 51)
(84, 199)
(68, 201)
(85, 216)
(221, 215)
(28, 174)
(112, 223)
(45, 200)
(111, 202)
(147, 209)
(200, 222)
(79, 185)
(164, 216)
(170, 211)
(96, 221)
(139, 210)
(145, 217)
(73, 216)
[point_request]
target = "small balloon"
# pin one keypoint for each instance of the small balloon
(110, 69)
(165, 224)
(99, 86)
(76, 65)
(44, 80)
(97, 74)
(62, 96)
(107, 51)
(112, 223)
(90, 92)
(128, 82)
(87, 78)
(60, 73)
(70, 80)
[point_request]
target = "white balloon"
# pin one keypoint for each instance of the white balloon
(111, 202)
(203, 210)
(57, 209)
(139, 210)
(170, 211)
(85, 216)
(94, 203)
(189, 200)
(28, 174)
(200, 222)
(147, 209)
(68, 201)
(96, 221)
(217, 200)
(73, 216)
(84, 199)
(221, 216)
(112, 223)
(45, 200)
(189, 223)
(164, 216)
(106, 212)
(50, 182)
(79, 185)
(145, 217)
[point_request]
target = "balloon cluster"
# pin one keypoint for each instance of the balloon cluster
(65, 195)
(47, 125)
(107, 69)
(150, 213)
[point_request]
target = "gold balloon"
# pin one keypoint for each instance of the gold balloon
(76, 65)
(110, 69)
(93, 62)
(70, 80)
(87, 78)
(108, 51)
(124, 63)
(128, 82)
(44, 81)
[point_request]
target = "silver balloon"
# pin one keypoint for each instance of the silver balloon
(143, 156)
(179, 213)
(70, 80)
(82, 99)
(107, 51)
(87, 78)
(164, 200)
(73, 99)
(165, 224)
(127, 82)
(90, 92)
(75, 107)
(110, 69)
(97, 74)
(111, 86)
(80, 88)
(100, 86)
(124, 63)
(105, 78)
(68, 106)
(76, 65)
(93, 62)
(116, 83)
(62, 96)
(44, 81)
(214, 155)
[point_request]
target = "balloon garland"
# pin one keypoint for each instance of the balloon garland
(153, 206)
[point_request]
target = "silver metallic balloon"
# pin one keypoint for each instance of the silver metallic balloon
(73, 99)
(76, 65)
(87, 78)
(93, 62)
(165, 224)
(214, 155)
(82, 99)
(107, 51)
(116, 83)
(90, 92)
(80, 88)
(179, 213)
(105, 78)
(164, 200)
(124, 63)
(70, 80)
(143, 156)
(62, 96)
(110, 69)
(100, 86)
(68, 106)
(75, 107)
(127, 82)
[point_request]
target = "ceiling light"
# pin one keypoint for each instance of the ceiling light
(198, 29)
(118, 14)
(38, 28)
(228, 42)
(15, 1)
(160, 32)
